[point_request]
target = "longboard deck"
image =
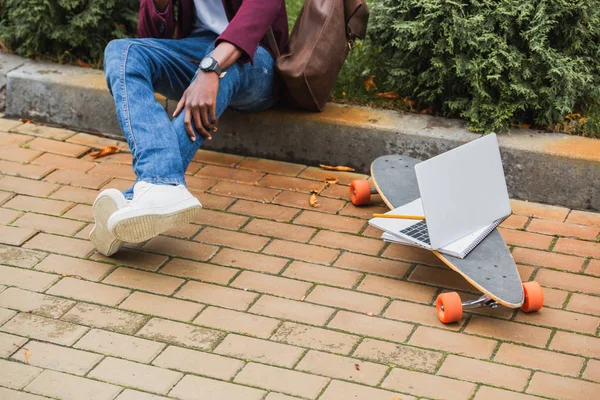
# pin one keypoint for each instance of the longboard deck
(489, 267)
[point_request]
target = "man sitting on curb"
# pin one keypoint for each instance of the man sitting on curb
(221, 58)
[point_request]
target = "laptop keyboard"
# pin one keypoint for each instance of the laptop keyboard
(418, 231)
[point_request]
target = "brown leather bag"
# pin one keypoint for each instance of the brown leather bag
(319, 43)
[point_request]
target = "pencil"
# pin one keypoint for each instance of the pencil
(396, 216)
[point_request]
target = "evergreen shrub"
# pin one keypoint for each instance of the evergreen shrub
(493, 62)
(71, 29)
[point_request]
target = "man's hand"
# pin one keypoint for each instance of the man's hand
(200, 103)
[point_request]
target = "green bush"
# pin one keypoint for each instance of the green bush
(75, 29)
(493, 62)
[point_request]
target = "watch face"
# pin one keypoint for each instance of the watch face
(206, 63)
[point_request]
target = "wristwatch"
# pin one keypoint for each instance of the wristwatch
(209, 64)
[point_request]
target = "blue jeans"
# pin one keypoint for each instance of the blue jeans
(137, 68)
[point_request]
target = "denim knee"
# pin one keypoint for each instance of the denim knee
(113, 59)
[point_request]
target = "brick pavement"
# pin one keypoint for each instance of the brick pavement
(264, 297)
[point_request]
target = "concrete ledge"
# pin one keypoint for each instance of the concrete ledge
(542, 167)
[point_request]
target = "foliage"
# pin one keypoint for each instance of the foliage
(492, 62)
(75, 29)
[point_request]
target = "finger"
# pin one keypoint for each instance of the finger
(205, 121)
(196, 112)
(180, 106)
(213, 115)
(187, 122)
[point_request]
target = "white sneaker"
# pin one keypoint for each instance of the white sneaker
(154, 209)
(106, 204)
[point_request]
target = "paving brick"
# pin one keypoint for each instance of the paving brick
(119, 184)
(412, 254)
(269, 284)
(453, 342)
(75, 178)
(60, 244)
(5, 196)
(197, 388)
(211, 201)
(15, 236)
(592, 371)
(37, 303)
(180, 248)
(563, 229)
(593, 267)
(230, 174)
(561, 319)
(374, 265)
(9, 394)
(291, 184)
(44, 329)
(563, 388)
(442, 277)
(234, 321)
(539, 210)
(346, 368)
(322, 274)
(23, 170)
(370, 326)
(304, 252)
(221, 219)
(15, 375)
(396, 288)
(282, 380)
(27, 186)
(292, 310)
(133, 258)
(61, 148)
(345, 178)
(315, 338)
(345, 390)
(142, 280)
(197, 362)
(279, 230)
(58, 358)
(526, 239)
(252, 261)
(584, 218)
(6, 314)
(422, 314)
(213, 157)
(547, 259)
(88, 291)
(18, 154)
(244, 191)
(200, 271)
(331, 222)
(69, 387)
(554, 298)
(161, 306)
(515, 222)
(18, 257)
(181, 334)
(75, 194)
(539, 359)
(583, 303)
(272, 166)
(348, 242)
(62, 162)
(9, 344)
(30, 280)
(301, 200)
(350, 300)
(7, 216)
(140, 376)
(44, 131)
(578, 247)
(269, 211)
(216, 295)
(105, 318)
(193, 167)
(199, 183)
(81, 212)
(364, 212)
(236, 240)
(183, 232)
(570, 282)
(488, 393)
(572, 343)
(46, 223)
(118, 345)
(129, 394)
(97, 142)
(435, 387)
(9, 124)
(399, 355)
(88, 270)
(506, 330)
(263, 351)
(112, 170)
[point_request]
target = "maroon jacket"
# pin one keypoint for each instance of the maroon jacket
(249, 21)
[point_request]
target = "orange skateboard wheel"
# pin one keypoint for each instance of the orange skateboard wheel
(360, 192)
(534, 297)
(449, 307)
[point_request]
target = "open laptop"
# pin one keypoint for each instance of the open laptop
(462, 191)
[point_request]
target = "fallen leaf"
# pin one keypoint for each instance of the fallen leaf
(313, 199)
(370, 84)
(370, 314)
(302, 298)
(572, 116)
(27, 354)
(336, 168)
(26, 121)
(427, 111)
(409, 103)
(72, 276)
(108, 150)
(389, 95)
(357, 367)
(332, 181)
(83, 64)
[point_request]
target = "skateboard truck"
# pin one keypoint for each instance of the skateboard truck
(483, 301)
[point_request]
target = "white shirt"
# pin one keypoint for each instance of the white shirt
(210, 16)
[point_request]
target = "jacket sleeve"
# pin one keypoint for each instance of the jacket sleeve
(250, 24)
(154, 24)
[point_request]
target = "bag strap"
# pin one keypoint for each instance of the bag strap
(273, 43)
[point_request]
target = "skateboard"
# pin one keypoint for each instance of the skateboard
(489, 267)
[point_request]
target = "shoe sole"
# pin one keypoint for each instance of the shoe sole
(143, 227)
(104, 241)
